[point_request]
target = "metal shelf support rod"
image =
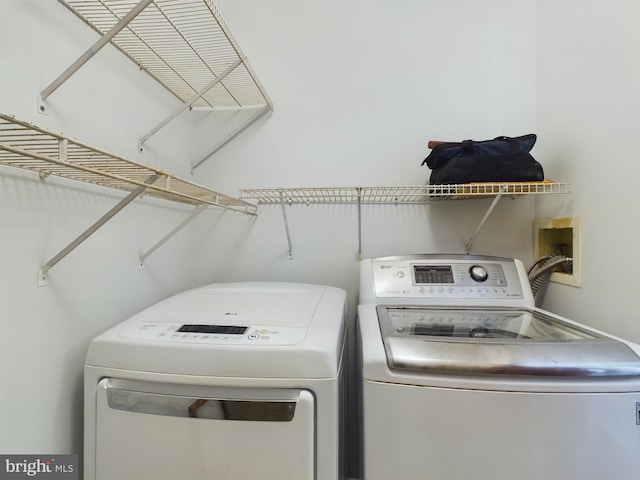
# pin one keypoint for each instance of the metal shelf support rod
(93, 228)
(482, 222)
(197, 211)
(190, 101)
(232, 135)
(286, 224)
(84, 58)
(359, 254)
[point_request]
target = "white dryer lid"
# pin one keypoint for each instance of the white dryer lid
(250, 329)
(234, 304)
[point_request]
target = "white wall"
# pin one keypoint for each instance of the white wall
(587, 102)
(359, 88)
(45, 331)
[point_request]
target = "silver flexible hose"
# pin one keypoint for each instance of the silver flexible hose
(539, 277)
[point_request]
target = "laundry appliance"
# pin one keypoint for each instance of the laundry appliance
(464, 378)
(233, 381)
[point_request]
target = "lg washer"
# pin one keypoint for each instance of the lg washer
(236, 381)
(462, 377)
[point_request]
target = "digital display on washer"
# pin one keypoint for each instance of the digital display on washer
(433, 274)
(219, 329)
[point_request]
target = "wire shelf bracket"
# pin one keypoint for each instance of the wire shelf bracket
(44, 270)
(482, 222)
(95, 48)
(250, 121)
(197, 211)
(359, 255)
(286, 226)
(400, 195)
(188, 103)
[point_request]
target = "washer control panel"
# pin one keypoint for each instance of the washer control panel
(469, 278)
(215, 334)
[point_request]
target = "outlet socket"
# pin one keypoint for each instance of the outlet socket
(560, 236)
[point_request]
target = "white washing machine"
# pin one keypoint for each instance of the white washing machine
(229, 381)
(463, 378)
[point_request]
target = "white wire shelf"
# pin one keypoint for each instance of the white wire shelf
(183, 44)
(27, 146)
(407, 194)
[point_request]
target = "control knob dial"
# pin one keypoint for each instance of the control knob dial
(478, 273)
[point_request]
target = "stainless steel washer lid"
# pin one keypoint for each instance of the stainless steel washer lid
(498, 341)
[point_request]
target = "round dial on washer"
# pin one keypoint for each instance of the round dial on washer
(478, 273)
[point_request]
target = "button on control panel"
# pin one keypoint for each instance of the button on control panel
(215, 334)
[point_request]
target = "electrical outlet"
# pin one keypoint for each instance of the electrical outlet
(560, 236)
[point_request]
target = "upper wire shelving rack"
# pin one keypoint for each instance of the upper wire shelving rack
(185, 45)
